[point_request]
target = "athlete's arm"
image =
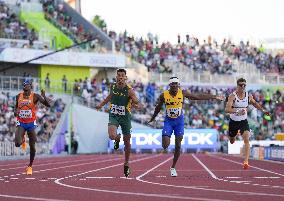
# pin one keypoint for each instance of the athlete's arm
(135, 101)
(202, 96)
(105, 101)
(16, 107)
(42, 99)
(158, 107)
(257, 105)
(133, 96)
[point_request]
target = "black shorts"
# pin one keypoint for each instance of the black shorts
(235, 126)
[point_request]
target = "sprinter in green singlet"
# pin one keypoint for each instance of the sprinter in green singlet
(122, 98)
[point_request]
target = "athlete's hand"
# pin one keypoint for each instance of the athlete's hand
(98, 107)
(266, 113)
(152, 119)
(42, 93)
(220, 97)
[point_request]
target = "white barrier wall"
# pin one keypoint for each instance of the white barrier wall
(91, 127)
(236, 147)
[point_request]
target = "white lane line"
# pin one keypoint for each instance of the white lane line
(240, 181)
(58, 181)
(28, 198)
(100, 177)
(14, 178)
(218, 190)
(142, 175)
(250, 165)
(266, 177)
(30, 178)
(233, 177)
(55, 163)
(206, 168)
(62, 167)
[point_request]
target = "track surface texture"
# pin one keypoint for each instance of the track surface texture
(100, 178)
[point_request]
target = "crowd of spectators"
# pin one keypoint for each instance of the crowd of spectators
(196, 56)
(11, 27)
(198, 114)
(265, 61)
(47, 118)
(202, 56)
(56, 14)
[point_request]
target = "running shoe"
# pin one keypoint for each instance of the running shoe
(173, 172)
(29, 170)
(126, 170)
(245, 165)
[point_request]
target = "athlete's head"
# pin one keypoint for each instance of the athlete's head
(174, 84)
(121, 76)
(27, 85)
(242, 83)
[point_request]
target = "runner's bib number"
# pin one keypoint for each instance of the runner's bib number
(25, 114)
(115, 109)
(174, 112)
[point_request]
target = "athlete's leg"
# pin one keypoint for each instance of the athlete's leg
(20, 132)
(166, 134)
(245, 136)
(32, 141)
(127, 148)
(112, 132)
(166, 141)
(178, 140)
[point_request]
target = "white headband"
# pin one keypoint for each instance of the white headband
(174, 79)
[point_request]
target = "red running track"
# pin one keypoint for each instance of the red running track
(100, 177)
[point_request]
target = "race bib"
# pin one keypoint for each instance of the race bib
(25, 114)
(173, 112)
(115, 109)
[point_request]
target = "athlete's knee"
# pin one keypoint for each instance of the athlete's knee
(112, 136)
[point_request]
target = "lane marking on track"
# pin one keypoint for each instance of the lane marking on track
(28, 198)
(250, 165)
(211, 173)
(267, 177)
(240, 181)
(62, 167)
(100, 177)
(30, 178)
(209, 189)
(233, 177)
(54, 163)
(58, 181)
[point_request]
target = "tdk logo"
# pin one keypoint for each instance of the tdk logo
(192, 139)
(188, 138)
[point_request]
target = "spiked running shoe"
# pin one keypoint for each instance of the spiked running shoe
(173, 172)
(29, 170)
(245, 165)
(126, 170)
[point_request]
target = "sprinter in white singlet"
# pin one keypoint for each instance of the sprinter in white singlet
(237, 106)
